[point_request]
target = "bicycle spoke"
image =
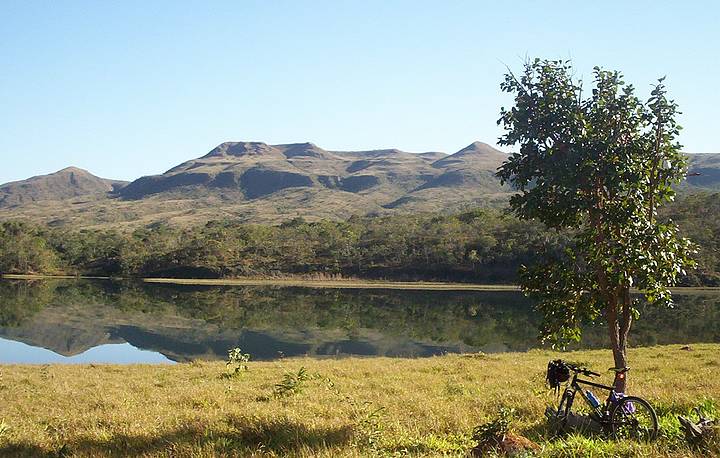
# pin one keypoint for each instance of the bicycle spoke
(634, 420)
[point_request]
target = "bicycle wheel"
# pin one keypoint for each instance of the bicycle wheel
(634, 418)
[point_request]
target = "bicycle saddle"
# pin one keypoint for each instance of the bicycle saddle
(619, 370)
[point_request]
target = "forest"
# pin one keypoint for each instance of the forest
(480, 245)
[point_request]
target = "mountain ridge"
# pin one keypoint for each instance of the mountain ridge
(256, 169)
(258, 182)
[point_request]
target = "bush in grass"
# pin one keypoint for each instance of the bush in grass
(237, 362)
(291, 384)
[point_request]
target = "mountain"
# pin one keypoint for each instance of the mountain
(261, 183)
(67, 183)
(257, 182)
(255, 170)
(302, 179)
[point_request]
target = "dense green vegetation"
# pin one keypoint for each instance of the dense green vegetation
(479, 245)
(698, 216)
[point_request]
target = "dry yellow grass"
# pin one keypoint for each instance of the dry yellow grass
(428, 407)
(340, 283)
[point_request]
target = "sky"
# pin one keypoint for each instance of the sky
(131, 88)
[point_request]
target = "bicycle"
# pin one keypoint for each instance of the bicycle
(622, 417)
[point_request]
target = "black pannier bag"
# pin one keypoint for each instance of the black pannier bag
(557, 373)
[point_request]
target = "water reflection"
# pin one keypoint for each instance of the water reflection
(202, 322)
(19, 353)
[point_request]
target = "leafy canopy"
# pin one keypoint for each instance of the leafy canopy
(597, 165)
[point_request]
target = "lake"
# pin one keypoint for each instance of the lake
(99, 321)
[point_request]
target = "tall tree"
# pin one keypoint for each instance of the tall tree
(597, 166)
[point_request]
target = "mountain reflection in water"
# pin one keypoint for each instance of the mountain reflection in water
(180, 322)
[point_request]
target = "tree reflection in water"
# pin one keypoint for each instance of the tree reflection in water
(189, 322)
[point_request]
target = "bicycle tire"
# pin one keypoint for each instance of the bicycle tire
(626, 418)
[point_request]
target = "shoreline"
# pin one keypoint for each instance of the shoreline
(308, 359)
(337, 284)
(313, 283)
(286, 282)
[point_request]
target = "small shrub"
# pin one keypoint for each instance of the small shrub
(495, 437)
(453, 388)
(494, 431)
(236, 363)
(291, 384)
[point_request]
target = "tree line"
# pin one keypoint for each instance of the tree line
(483, 245)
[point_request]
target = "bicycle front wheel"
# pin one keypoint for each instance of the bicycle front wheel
(634, 418)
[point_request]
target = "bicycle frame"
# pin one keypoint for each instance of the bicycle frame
(569, 396)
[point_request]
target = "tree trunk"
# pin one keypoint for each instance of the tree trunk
(614, 296)
(620, 357)
(618, 351)
(619, 331)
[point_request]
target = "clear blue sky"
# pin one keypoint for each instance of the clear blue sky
(129, 88)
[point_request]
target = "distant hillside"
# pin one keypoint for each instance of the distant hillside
(261, 183)
(708, 167)
(66, 183)
(387, 178)
(256, 182)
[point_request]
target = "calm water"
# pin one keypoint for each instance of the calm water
(101, 321)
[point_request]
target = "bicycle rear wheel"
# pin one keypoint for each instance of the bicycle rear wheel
(634, 418)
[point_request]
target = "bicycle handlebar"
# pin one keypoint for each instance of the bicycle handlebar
(582, 370)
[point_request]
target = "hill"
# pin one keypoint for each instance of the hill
(67, 183)
(385, 178)
(257, 182)
(254, 181)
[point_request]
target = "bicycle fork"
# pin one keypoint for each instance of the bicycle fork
(566, 402)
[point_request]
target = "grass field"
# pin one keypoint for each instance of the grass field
(336, 407)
